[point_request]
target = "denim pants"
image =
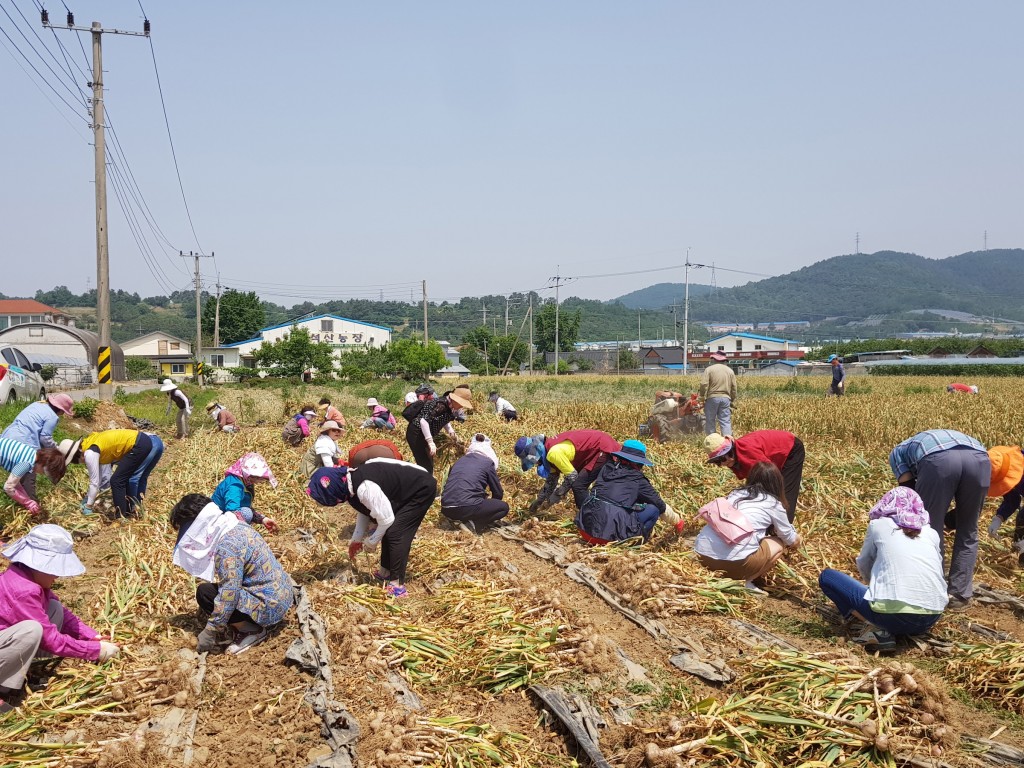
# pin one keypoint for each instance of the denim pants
(647, 517)
(848, 595)
(718, 411)
(139, 480)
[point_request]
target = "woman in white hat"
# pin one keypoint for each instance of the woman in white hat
(176, 397)
(34, 426)
(248, 590)
(32, 619)
(434, 416)
(380, 417)
(324, 451)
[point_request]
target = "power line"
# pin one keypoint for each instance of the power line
(75, 94)
(46, 82)
(39, 88)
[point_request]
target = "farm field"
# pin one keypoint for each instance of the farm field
(444, 677)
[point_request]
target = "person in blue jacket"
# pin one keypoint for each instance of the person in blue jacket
(622, 504)
(235, 493)
(34, 427)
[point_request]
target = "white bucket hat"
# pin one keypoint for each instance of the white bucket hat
(168, 385)
(372, 402)
(48, 549)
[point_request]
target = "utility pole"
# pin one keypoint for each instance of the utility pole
(531, 333)
(103, 357)
(509, 303)
(197, 353)
(426, 335)
(686, 312)
(675, 322)
(484, 310)
(558, 284)
(216, 317)
(858, 242)
(639, 338)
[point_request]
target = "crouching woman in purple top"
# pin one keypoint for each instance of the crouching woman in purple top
(32, 619)
(247, 589)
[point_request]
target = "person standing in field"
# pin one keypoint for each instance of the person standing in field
(718, 391)
(944, 465)
(838, 386)
(34, 426)
(1008, 482)
(176, 397)
(783, 449)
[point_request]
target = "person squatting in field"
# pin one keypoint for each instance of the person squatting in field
(237, 491)
(575, 456)
(464, 498)
(622, 504)
(247, 591)
(222, 417)
(32, 619)
(901, 561)
(324, 451)
(760, 530)
(296, 429)
(391, 498)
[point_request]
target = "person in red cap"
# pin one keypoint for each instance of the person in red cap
(718, 391)
(783, 449)
(34, 426)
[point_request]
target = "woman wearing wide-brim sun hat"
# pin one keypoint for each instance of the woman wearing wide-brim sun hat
(433, 417)
(1007, 474)
(32, 619)
(176, 397)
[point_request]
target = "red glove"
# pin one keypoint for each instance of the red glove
(354, 548)
(680, 526)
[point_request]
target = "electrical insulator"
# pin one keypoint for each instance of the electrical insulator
(146, 27)
(46, 17)
(71, 19)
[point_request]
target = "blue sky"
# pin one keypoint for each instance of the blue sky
(348, 149)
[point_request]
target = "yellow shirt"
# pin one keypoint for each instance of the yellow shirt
(113, 444)
(561, 455)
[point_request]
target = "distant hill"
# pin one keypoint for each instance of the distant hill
(850, 287)
(661, 295)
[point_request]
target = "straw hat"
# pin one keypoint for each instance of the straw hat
(1007, 469)
(462, 397)
(168, 386)
(717, 446)
(62, 402)
(211, 406)
(328, 425)
(69, 450)
(48, 549)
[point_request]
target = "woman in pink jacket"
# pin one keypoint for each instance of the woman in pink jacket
(32, 619)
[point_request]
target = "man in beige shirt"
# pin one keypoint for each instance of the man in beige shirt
(718, 391)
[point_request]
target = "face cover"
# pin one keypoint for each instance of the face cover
(459, 414)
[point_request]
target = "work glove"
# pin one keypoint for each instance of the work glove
(207, 641)
(354, 548)
(108, 651)
(370, 546)
(538, 503)
(432, 447)
(32, 507)
(85, 508)
(994, 526)
(270, 524)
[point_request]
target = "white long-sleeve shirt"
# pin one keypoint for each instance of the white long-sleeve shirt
(373, 496)
(762, 512)
(903, 569)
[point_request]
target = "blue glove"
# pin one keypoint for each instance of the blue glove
(84, 506)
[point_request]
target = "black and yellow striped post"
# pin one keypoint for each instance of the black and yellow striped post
(200, 371)
(103, 365)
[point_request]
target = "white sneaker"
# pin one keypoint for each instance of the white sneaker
(246, 640)
(751, 586)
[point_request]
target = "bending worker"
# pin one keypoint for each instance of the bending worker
(783, 449)
(577, 456)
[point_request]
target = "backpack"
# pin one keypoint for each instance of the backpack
(292, 432)
(412, 410)
(729, 523)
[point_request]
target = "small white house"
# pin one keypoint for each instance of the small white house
(342, 333)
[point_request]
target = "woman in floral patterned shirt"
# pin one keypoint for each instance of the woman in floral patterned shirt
(248, 590)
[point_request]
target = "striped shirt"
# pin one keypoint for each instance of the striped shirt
(907, 455)
(17, 458)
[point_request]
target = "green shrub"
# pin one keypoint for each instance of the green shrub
(949, 370)
(137, 368)
(85, 408)
(47, 372)
(243, 374)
